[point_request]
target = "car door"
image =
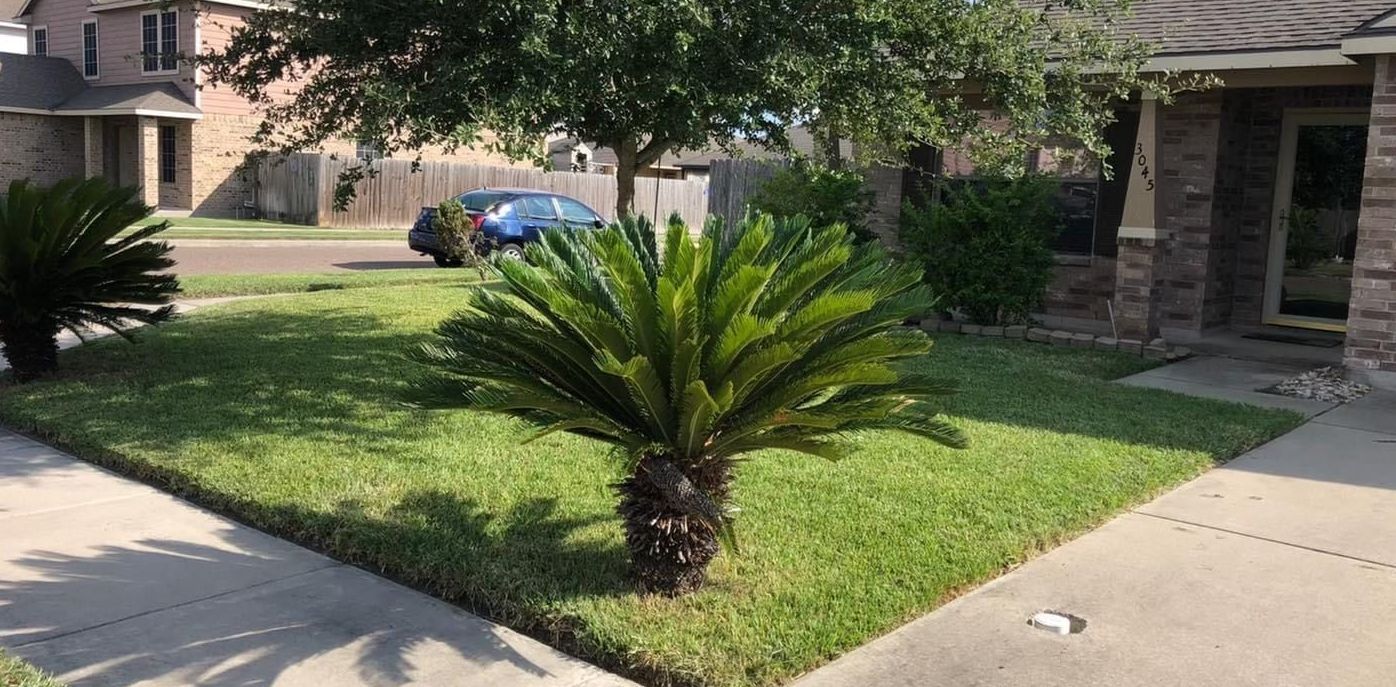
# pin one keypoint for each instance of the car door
(575, 215)
(537, 213)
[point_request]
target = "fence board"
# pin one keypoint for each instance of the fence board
(732, 183)
(300, 188)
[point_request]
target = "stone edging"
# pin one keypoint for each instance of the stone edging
(1158, 349)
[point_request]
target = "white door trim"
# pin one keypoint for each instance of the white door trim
(1284, 194)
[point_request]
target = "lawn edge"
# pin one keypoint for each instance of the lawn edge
(561, 632)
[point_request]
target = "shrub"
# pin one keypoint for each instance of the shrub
(771, 334)
(985, 247)
(1305, 244)
(462, 241)
(62, 267)
(826, 196)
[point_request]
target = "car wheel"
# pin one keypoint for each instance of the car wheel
(446, 262)
(511, 251)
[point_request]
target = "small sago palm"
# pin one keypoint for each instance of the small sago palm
(770, 334)
(63, 267)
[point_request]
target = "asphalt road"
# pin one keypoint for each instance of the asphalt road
(282, 257)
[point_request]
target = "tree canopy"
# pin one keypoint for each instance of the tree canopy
(645, 77)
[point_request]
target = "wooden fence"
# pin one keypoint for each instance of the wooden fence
(301, 189)
(731, 183)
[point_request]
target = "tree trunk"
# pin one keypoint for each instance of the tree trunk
(627, 165)
(669, 526)
(32, 351)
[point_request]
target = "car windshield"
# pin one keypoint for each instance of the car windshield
(482, 201)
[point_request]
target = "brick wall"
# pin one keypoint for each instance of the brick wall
(1371, 340)
(1081, 290)
(1139, 282)
(40, 148)
(884, 219)
(1188, 148)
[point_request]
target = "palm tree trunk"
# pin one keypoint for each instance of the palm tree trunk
(32, 351)
(670, 524)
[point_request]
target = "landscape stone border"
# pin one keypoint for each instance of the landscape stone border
(1157, 349)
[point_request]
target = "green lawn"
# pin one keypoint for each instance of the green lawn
(262, 230)
(17, 673)
(209, 285)
(286, 412)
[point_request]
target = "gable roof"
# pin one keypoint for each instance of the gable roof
(52, 85)
(29, 82)
(1184, 27)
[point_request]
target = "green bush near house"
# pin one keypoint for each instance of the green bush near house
(985, 246)
(1305, 244)
(826, 196)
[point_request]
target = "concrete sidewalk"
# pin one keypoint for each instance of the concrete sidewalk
(1278, 568)
(105, 581)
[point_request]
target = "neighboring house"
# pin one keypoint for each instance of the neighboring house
(14, 34)
(103, 91)
(572, 155)
(1268, 202)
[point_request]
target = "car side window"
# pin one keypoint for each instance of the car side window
(539, 207)
(575, 213)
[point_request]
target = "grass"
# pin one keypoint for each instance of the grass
(262, 230)
(287, 413)
(17, 673)
(211, 285)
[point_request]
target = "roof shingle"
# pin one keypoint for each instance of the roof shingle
(1182, 27)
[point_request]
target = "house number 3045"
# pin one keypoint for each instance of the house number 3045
(1142, 162)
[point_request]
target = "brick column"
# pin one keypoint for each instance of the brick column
(1138, 288)
(884, 218)
(93, 147)
(148, 159)
(1139, 267)
(1371, 340)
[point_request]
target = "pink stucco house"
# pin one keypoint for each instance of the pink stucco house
(102, 91)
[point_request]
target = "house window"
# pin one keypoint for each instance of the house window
(160, 42)
(89, 50)
(167, 154)
(41, 41)
(367, 150)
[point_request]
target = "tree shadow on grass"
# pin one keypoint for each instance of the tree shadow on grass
(1068, 391)
(234, 607)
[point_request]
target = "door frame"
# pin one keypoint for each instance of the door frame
(1284, 194)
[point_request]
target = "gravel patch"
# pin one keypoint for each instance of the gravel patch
(1324, 384)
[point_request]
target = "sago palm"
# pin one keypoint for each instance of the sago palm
(63, 267)
(770, 334)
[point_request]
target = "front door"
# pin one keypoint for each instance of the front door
(1318, 196)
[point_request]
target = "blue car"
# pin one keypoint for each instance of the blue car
(509, 217)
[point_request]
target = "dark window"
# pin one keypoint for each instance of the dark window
(169, 41)
(482, 201)
(150, 43)
(539, 207)
(160, 41)
(89, 50)
(575, 212)
(41, 42)
(167, 154)
(367, 150)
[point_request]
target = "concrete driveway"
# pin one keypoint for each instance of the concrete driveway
(1278, 568)
(289, 256)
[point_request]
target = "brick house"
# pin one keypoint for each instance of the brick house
(1266, 206)
(103, 92)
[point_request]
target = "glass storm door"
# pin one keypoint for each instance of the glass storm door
(1317, 198)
